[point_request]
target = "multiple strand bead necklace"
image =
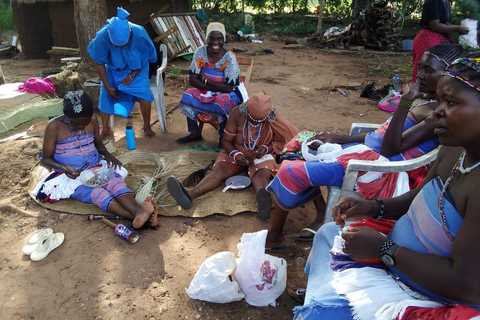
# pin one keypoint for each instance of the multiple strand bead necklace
(76, 137)
(249, 142)
(441, 198)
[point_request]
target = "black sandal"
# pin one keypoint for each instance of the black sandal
(179, 193)
(297, 295)
(188, 139)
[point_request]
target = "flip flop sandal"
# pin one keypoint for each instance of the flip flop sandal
(297, 295)
(179, 193)
(264, 202)
(298, 237)
(47, 243)
(33, 239)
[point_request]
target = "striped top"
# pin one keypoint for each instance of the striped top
(374, 140)
(75, 152)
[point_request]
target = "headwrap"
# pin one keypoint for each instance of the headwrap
(118, 28)
(260, 107)
(473, 63)
(217, 26)
(77, 104)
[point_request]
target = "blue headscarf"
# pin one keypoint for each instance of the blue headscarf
(118, 28)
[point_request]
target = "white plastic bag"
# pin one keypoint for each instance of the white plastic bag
(262, 277)
(470, 39)
(213, 282)
(326, 151)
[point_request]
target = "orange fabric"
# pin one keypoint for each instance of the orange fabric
(259, 105)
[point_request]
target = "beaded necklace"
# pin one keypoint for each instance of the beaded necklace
(75, 136)
(247, 137)
(466, 170)
(441, 197)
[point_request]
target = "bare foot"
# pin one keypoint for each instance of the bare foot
(105, 133)
(148, 132)
(153, 220)
(274, 241)
(144, 213)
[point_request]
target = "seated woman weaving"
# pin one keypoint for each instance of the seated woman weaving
(254, 134)
(72, 144)
(217, 85)
(406, 135)
(431, 265)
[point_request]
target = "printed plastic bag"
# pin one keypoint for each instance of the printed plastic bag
(262, 277)
(390, 101)
(213, 282)
(326, 151)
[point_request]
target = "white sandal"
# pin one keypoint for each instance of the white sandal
(48, 243)
(33, 239)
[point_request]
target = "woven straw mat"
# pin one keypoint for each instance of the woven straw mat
(179, 163)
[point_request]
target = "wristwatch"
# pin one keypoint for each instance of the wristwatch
(387, 252)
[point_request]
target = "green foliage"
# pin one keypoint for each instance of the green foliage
(466, 9)
(6, 17)
(175, 71)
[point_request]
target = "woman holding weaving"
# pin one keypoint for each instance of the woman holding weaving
(72, 144)
(430, 263)
(217, 85)
(254, 134)
(435, 24)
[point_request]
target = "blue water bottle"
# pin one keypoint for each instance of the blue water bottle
(130, 136)
(396, 82)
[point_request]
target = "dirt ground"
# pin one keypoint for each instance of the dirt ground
(96, 275)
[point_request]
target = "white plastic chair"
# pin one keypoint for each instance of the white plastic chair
(355, 166)
(156, 86)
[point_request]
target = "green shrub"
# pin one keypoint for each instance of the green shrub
(6, 18)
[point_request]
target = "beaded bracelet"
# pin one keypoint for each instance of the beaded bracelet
(385, 246)
(382, 208)
(262, 145)
(130, 76)
(405, 104)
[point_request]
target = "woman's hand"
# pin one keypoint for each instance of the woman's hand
(362, 242)
(70, 172)
(128, 80)
(112, 92)
(261, 151)
(240, 159)
(461, 30)
(413, 92)
(331, 138)
(112, 161)
(349, 208)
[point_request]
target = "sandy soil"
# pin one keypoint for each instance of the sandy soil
(96, 275)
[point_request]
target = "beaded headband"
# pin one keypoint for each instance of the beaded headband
(473, 63)
(438, 58)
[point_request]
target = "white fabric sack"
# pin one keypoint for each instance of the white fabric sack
(470, 39)
(213, 281)
(262, 277)
(326, 151)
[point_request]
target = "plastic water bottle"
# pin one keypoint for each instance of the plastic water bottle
(396, 82)
(130, 136)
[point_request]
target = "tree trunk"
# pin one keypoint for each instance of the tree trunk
(89, 16)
